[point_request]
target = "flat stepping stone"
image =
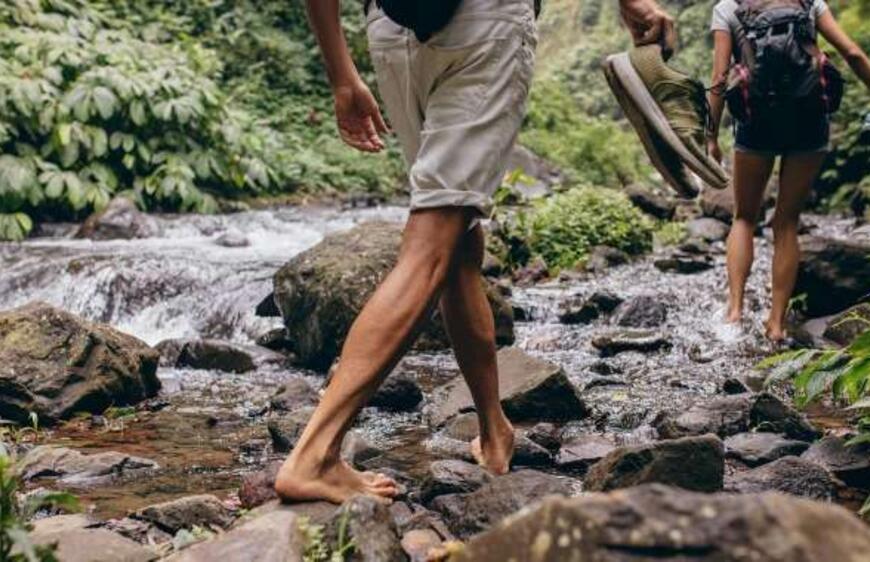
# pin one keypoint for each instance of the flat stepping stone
(755, 449)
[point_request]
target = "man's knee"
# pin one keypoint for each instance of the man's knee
(784, 225)
(432, 239)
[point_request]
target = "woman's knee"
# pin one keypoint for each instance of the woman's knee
(785, 225)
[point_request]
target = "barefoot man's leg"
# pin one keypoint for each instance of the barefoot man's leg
(469, 322)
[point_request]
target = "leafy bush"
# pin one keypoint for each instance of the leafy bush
(15, 514)
(566, 226)
(670, 234)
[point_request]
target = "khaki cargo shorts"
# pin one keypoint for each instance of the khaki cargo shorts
(457, 101)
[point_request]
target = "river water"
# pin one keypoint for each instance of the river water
(211, 430)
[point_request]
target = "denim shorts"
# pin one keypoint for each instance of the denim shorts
(784, 130)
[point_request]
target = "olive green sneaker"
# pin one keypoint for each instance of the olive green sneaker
(673, 110)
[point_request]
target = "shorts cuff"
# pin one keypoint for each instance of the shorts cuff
(434, 198)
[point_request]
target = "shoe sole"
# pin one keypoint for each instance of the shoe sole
(638, 95)
(663, 157)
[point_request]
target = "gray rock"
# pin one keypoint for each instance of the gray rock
(692, 463)
(418, 544)
(651, 203)
(546, 435)
(790, 475)
(233, 238)
(74, 468)
(258, 487)
(833, 274)
(273, 537)
(275, 340)
(754, 449)
(293, 395)
(584, 451)
(645, 311)
(467, 514)
(204, 510)
(707, 229)
(119, 220)
(718, 203)
(530, 389)
(619, 341)
(722, 415)
(654, 522)
(216, 355)
(463, 427)
(399, 393)
(529, 453)
(848, 325)
(769, 413)
(78, 541)
(544, 173)
(602, 258)
(285, 429)
(683, 263)
(452, 477)
(851, 464)
(55, 364)
(267, 308)
(321, 291)
(370, 526)
(579, 310)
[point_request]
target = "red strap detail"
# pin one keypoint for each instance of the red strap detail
(822, 60)
(744, 88)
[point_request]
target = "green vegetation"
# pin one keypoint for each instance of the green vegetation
(670, 234)
(842, 374)
(317, 549)
(15, 514)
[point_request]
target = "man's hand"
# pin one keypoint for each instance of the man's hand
(649, 23)
(359, 119)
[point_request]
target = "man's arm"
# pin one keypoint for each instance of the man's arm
(649, 23)
(356, 111)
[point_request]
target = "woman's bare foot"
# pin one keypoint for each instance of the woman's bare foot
(733, 315)
(774, 332)
(334, 482)
(495, 452)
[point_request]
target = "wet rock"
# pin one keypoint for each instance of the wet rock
(546, 435)
(651, 203)
(530, 389)
(722, 415)
(584, 451)
(848, 325)
(656, 522)
(754, 449)
(467, 514)
(267, 308)
(399, 393)
(707, 229)
(771, 414)
(579, 310)
(718, 203)
(276, 340)
(370, 526)
(233, 238)
(204, 510)
(645, 311)
(259, 487)
(119, 220)
(734, 385)
(492, 266)
(602, 258)
(321, 291)
(413, 516)
(463, 427)
(77, 540)
(680, 262)
(529, 453)
(692, 463)
(619, 341)
(452, 477)
(273, 537)
(285, 429)
(790, 475)
(207, 354)
(293, 395)
(75, 468)
(55, 364)
(851, 464)
(544, 173)
(533, 272)
(834, 274)
(420, 544)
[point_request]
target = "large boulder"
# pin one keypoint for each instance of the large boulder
(833, 274)
(77, 539)
(530, 389)
(644, 311)
(654, 522)
(467, 514)
(119, 220)
(692, 463)
(56, 364)
(73, 467)
(321, 291)
(273, 537)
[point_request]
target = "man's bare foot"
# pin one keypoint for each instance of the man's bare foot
(774, 332)
(495, 453)
(336, 482)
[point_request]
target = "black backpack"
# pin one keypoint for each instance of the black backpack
(778, 62)
(424, 17)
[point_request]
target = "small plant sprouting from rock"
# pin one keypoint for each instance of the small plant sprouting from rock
(317, 548)
(15, 514)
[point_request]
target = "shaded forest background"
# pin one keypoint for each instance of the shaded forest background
(190, 105)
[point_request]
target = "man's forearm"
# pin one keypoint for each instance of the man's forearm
(325, 19)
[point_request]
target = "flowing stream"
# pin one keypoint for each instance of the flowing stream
(207, 429)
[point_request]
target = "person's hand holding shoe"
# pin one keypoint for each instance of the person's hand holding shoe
(649, 23)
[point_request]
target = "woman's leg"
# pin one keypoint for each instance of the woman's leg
(751, 174)
(797, 176)
(469, 323)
